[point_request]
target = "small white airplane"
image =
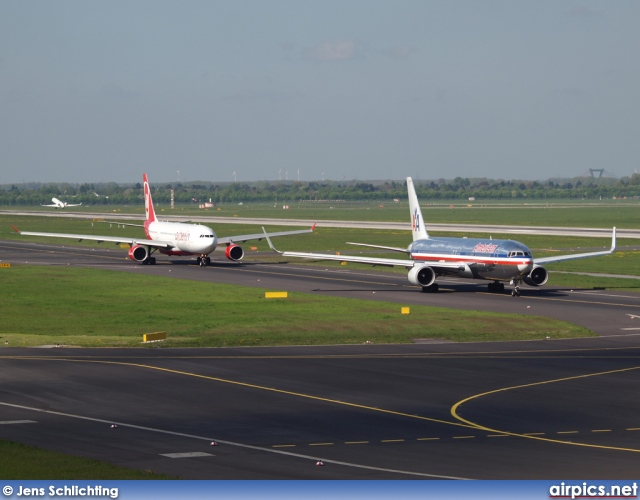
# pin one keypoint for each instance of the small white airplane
(477, 258)
(60, 204)
(171, 238)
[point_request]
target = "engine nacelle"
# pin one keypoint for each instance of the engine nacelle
(422, 276)
(234, 252)
(537, 277)
(138, 253)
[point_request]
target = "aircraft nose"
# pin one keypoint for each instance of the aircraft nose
(525, 267)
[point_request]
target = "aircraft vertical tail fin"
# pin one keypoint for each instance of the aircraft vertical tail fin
(148, 202)
(418, 229)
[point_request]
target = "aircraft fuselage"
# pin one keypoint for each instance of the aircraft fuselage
(478, 257)
(186, 239)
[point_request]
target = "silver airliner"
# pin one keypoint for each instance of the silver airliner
(497, 261)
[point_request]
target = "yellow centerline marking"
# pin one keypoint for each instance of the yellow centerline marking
(461, 421)
(258, 387)
(455, 407)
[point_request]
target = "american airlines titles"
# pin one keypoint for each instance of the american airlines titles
(485, 248)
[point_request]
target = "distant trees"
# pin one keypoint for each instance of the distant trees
(289, 191)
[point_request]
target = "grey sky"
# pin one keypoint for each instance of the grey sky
(96, 91)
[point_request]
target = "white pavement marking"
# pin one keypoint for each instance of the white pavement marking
(231, 443)
(190, 454)
(9, 422)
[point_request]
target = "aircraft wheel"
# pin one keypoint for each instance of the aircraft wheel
(152, 261)
(430, 289)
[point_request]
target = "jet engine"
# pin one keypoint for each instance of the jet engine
(422, 276)
(537, 277)
(138, 253)
(234, 252)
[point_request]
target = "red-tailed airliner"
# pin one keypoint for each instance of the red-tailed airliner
(172, 238)
(495, 260)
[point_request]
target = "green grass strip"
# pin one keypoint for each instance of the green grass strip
(48, 305)
(19, 462)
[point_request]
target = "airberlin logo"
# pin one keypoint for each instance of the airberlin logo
(415, 221)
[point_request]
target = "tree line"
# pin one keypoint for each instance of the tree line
(29, 194)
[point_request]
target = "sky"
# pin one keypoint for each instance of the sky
(253, 90)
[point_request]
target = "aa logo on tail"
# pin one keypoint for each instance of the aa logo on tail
(415, 221)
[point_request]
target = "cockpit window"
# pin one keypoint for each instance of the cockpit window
(519, 253)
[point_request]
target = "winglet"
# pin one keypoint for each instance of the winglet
(15, 228)
(269, 241)
(613, 240)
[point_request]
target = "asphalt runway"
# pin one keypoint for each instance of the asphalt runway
(561, 409)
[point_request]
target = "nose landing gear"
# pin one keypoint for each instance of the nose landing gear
(204, 260)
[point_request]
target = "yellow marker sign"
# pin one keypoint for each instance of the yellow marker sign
(405, 310)
(5, 264)
(276, 295)
(150, 337)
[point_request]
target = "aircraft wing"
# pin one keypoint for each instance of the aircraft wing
(92, 237)
(560, 258)
(259, 236)
(374, 261)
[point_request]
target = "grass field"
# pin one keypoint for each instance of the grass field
(19, 462)
(86, 307)
(558, 213)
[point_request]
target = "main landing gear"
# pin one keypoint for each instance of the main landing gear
(498, 287)
(204, 260)
(430, 289)
(149, 260)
